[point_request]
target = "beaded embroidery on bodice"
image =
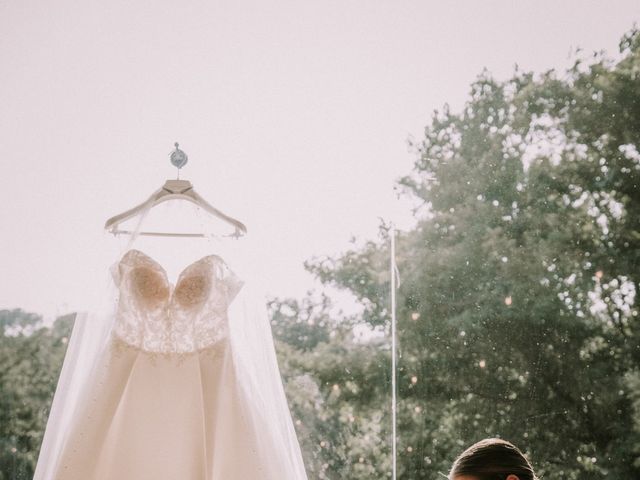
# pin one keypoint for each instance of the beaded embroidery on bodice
(155, 316)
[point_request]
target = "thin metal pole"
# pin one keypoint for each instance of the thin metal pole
(394, 453)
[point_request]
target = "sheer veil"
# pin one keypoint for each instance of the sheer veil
(259, 386)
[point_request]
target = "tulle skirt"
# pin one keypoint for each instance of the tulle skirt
(147, 416)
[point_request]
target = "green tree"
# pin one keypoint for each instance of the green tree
(30, 361)
(335, 385)
(518, 313)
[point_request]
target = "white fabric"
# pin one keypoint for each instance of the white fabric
(171, 381)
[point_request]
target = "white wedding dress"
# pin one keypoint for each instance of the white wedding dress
(167, 397)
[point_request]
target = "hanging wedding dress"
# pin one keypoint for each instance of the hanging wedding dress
(176, 381)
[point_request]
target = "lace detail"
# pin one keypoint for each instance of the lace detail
(148, 286)
(192, 291)
(118, 348)
(155, 317)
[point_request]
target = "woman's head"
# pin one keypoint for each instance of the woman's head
(492, 459)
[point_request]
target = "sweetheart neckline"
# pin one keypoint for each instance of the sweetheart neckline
(163, 270)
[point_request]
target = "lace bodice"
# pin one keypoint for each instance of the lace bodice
(155, 316)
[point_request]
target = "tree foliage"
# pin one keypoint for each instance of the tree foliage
(30, 361)
(518, 313)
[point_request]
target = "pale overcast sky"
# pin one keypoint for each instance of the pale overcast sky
(295, 115)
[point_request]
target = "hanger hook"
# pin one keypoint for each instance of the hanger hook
(178, 158)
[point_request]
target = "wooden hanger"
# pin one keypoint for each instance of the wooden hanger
(174, 189)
